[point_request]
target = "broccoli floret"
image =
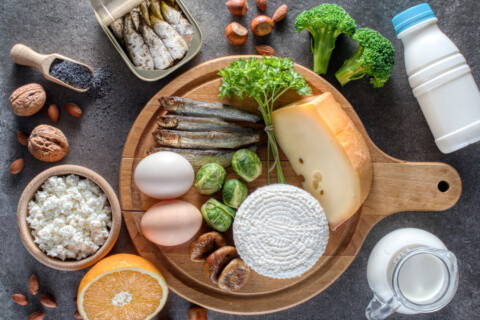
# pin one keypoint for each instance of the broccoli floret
(375, 57)
(325, 23)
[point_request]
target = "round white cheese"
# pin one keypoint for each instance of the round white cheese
(280, 231)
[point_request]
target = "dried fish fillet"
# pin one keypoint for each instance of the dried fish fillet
(176, 45)
(205, 140)
(196, 108)
(177, 20)
(186, 123)
(136, 48)
(161, 58)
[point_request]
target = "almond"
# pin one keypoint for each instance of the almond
(47, 300)
(262, 5)
(33, 284)
(20, 299)
(280, 14)
(22, 138)
(265, 50)
(73, 110)
(17, 166)
(37, 315)
(53, 112)
(77, 315)
(197, 313)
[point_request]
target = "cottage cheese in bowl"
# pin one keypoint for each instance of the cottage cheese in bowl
(69, 217)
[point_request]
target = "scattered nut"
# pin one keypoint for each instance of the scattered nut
(28, 99)
(280, 14)
(262, 4)
(47, 300)
(197, 313)
(234, 276)
(217, 260)
(261, 26)
(37, 315)
(73, 109)
(53, 112)
(47, 143)
(236, 33)
(22, 138)
(33, 284)
(20, 299)
(77, 315)
(17, 166)
(265, 50)
(237, 7)
(206, 244)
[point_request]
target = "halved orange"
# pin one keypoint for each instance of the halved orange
(122, 287)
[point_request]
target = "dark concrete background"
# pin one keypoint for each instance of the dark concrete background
(390, 115)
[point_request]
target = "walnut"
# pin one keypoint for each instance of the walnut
(28, 99)
(47, 143)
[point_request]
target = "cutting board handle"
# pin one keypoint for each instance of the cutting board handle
(412, 186)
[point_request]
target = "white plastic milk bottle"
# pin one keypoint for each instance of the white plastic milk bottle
(440, 78)
(410, 271)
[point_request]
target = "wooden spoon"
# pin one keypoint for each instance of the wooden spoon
(21, 54)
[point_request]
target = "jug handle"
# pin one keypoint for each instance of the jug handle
(378, 309)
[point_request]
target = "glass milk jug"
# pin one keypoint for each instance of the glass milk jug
(440, 79)
(410, 271)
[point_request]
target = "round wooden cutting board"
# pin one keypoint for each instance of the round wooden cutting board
(397, 186)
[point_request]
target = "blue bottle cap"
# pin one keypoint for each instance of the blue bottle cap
(412, 16)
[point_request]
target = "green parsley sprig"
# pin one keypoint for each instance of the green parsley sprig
(264, 80)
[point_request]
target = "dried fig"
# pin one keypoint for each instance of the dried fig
(28, 99)
(234, 276)
(206, 244)
(47, 143)
(217, 260)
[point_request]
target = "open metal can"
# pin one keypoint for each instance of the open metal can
(108, 11)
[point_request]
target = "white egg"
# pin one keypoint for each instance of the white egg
(164, 175)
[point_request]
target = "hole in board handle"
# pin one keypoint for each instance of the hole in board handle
(443, 186)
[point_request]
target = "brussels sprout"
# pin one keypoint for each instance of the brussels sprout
(217, 215)
(234, 192)
(210, 178)
(247, 164)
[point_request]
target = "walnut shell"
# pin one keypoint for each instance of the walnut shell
(28, 99)
(206, 244)
(47, 143)
(217, 260)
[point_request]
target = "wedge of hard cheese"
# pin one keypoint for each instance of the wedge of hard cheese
(324, 146)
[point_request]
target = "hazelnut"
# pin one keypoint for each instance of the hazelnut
(237, 7)
(261, 26)
(236, 33)
(47, 143)
(28, 99)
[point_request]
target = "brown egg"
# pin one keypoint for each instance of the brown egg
(171, 222)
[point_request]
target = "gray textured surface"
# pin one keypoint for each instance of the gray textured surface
(391, 117)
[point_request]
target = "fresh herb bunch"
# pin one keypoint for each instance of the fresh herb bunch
(264, 80)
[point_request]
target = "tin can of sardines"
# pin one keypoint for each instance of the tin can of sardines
(153, 37)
